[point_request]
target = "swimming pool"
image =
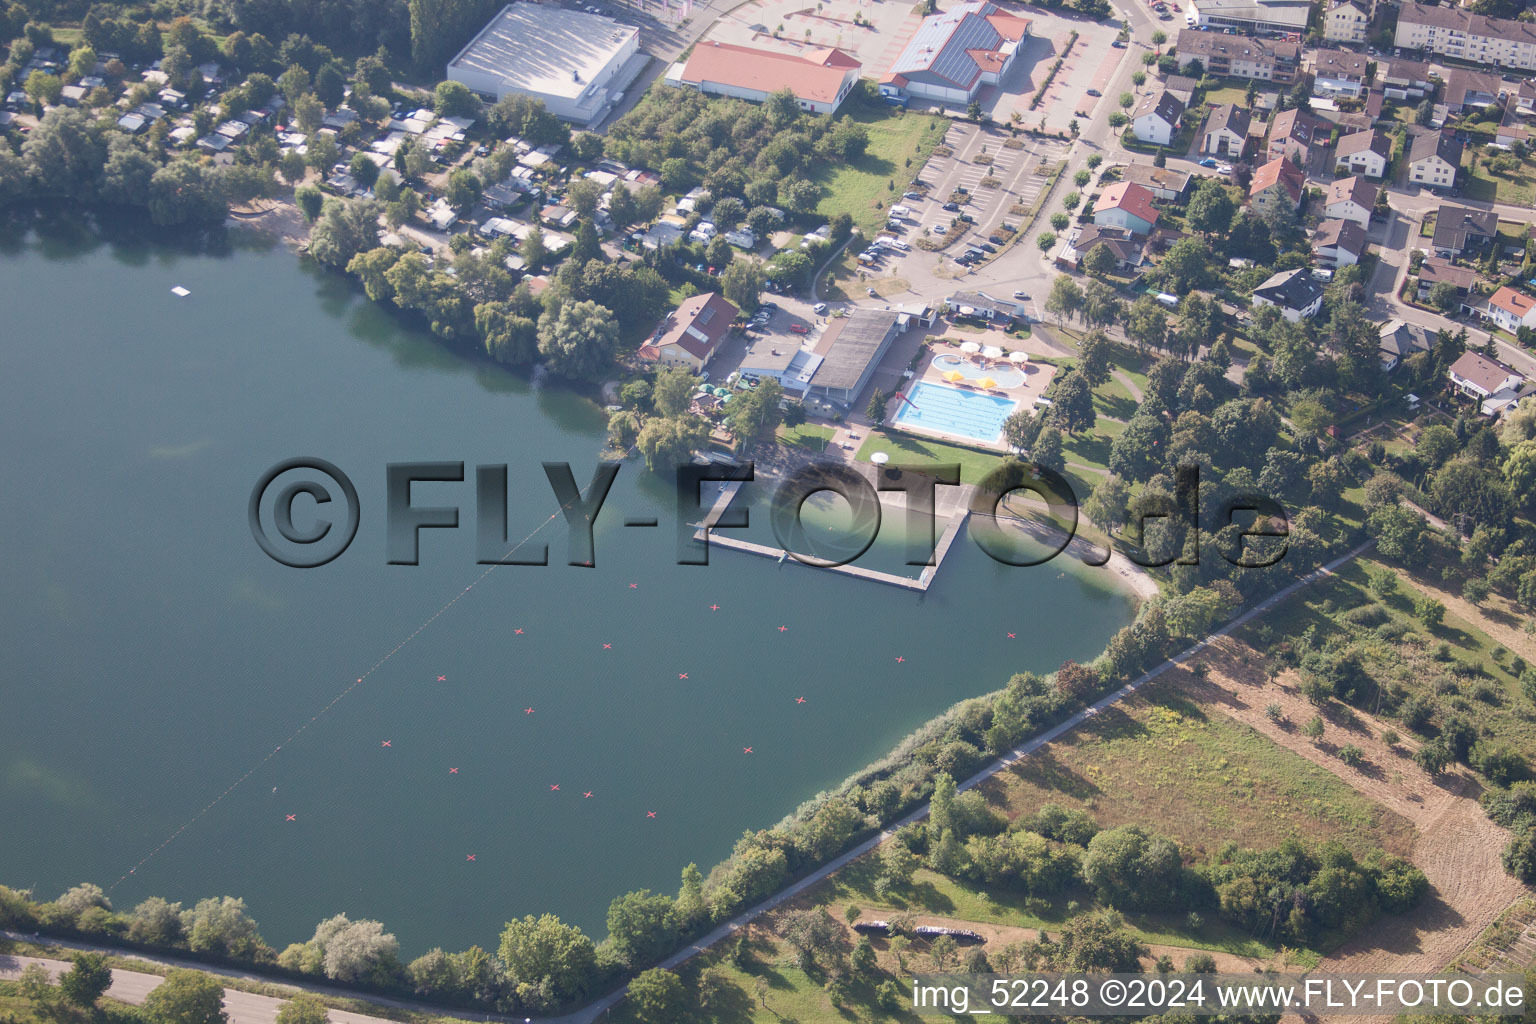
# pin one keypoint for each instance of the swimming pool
(946, 410)
(1003, 375)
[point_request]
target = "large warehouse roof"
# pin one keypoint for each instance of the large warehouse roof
(959, 44)
(817, 76)
(542, 48)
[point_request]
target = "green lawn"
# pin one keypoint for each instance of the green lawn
(1091, 447)
(894, 136)
(1113, 398)
(807, 435)
(1517, 188)
(973, 464)
(1228, 94)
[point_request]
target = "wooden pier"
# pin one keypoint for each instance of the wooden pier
(920, 585)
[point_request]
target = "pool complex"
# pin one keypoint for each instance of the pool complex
(1004, 375)
(946, 410)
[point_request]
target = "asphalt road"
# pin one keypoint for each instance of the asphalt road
(134, 987)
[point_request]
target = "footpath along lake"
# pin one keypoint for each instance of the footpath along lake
(154, 656)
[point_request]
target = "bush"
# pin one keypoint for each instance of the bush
(1367, 615)
(1351, 755)
(1519, 856)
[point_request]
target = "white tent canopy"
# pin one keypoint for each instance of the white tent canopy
(992, 352)
(970, 346)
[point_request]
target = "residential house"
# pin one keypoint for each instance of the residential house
(1181, 86)
(1296, 293)
(1126, 250)
(1524, 99)
(1346, 21)
(820, 79)
(557, 216)
(1512, 310)
(1368, 153)
(691, 334)
(1489, 382)
(954, 54)
(1476, 38)
(1165, 183)
(1277, 186)
(1291, 134)
(1434, 158)
(1266, 60)
(1460, 231)
(1226, 131)
(1339, 243)
(1400, 340)
(1434, 270)
(1509, 134)
(1402, 78)
(1157, 117)
(1338, 73)
(1127, 205)
(1352, 199)
(1470, 90)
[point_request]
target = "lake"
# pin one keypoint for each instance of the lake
(157, 660)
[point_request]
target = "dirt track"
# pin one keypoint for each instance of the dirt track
(1457, 847)
(999, 935)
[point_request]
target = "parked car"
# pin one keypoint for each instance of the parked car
(1118, 44)
(1223, 168)
(952, 207)
(986, 247)
(1021, 296)
(1209, 161)
(1094, 92)
(800, 328)
(820, 309)
(912, 195)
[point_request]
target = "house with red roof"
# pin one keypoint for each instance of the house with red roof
(692, 333)
(1127, 205)
(1277, 187)
(820, 79)
(1512, 310)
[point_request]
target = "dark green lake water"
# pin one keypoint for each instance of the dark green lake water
(154, 656)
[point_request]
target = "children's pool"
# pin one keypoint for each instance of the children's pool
(1003, 375)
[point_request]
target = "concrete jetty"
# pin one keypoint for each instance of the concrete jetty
(960, 511)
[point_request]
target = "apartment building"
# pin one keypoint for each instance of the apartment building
(1456, 32)
(1266, 60)
(1346, 21)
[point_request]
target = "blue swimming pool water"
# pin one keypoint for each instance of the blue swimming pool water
(948, 410)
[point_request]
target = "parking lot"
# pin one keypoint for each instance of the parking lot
(988, 207)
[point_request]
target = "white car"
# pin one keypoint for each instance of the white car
(1223, 168)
